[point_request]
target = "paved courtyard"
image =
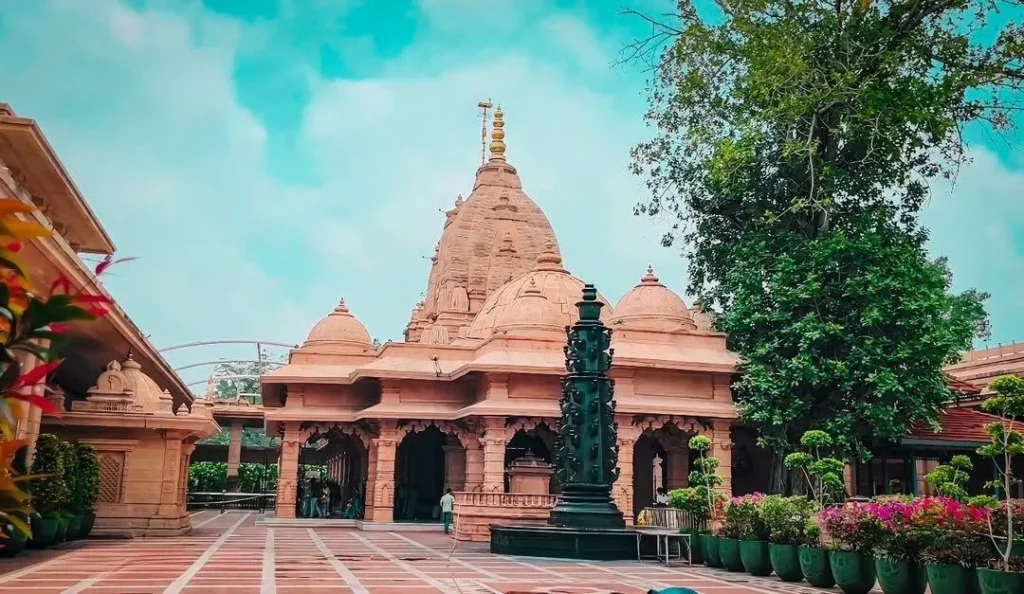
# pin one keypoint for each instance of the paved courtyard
(228, 553)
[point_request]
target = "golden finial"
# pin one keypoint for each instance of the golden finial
(498, 136)
(484, 106)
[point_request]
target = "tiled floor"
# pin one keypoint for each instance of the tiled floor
(230, 554)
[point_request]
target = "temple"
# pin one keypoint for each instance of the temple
(469, 400)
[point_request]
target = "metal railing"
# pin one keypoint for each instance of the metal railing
(224, 501)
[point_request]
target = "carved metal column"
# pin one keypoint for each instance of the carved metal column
(587, 451)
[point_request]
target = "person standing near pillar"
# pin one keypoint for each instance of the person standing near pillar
(447, 507)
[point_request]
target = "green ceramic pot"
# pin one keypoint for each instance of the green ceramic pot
(44, 531)
(815, 565)
(993, 581)
(88, 519)
(711, 556)
(696, 548)
(785, 560)
(754, 556)
(74, 526)
(729, 552)
(14, 542)
(62, 527)
(900, 576)
(952, 579)
(854, 571)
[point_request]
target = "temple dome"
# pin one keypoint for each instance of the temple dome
(548, 280)
(531, 310)
(339, 326)
(652, 306)
(145, 390)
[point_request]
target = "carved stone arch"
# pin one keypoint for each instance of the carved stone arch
(459, 431)
(325, 429)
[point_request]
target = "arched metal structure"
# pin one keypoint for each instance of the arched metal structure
(260, 361)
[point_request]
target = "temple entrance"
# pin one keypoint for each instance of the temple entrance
(420, 476)
(661, 458)
(332, 476)
(539, 443)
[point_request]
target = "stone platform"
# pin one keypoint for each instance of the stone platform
(230, 554)
(599, 544)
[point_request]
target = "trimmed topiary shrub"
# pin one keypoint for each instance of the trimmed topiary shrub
(69, 470)
(49, 491)
(87, 488)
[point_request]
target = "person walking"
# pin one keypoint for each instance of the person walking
(447, 506)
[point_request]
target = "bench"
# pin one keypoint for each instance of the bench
(665, 524)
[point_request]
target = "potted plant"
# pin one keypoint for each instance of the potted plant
(754, 552)
(14, 532)
(960, 544)
(907, 527)
(49, 491)
(706, 501)
(854, 531)
(786, 519)
(88, 487)
(1006, 573)
(729, 538)
(31, 323)
(823, 476)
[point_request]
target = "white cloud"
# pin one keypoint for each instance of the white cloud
(145, 115)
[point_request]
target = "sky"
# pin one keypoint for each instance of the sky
(263, 158)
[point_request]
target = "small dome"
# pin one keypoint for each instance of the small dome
(550, 281)
(145, 391)
(531, 310)
(652, 306)
(339, 326)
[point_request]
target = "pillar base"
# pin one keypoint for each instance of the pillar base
(586, 505)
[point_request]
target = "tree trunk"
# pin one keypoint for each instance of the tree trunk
(779, 479)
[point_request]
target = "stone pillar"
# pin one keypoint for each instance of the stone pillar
(386, 449)
(850, 480)
(494, 455)
(678, 463)
(622, 490)
(288, 473)
(370, 478)
(172, 465)
(186, 457)
(474, 480)
(234, 453)
(454, 467)
(721, 448)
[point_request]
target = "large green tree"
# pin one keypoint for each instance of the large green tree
(793, 148)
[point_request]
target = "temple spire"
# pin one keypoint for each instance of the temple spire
(498, 136)
(484, 106)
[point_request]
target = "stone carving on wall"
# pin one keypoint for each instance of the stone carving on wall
(110, 394)
(687, 425)
(111, 476)
(458, 430)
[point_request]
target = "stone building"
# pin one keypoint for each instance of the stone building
(116, 391)
(475, 385)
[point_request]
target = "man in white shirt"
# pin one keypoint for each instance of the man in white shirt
(447, 505)
(661, 499)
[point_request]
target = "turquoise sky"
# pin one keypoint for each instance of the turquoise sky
(263, 158)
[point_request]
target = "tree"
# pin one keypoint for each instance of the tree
(794, 146)
(231, 388)
(1007, 443)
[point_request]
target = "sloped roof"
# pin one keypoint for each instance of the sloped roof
(959, 425)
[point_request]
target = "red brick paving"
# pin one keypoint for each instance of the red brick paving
(229, 554)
